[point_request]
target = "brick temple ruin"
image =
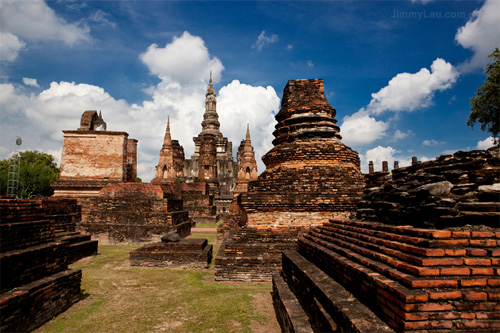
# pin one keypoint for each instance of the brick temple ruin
(206, 180)
(38, 241)
(310, 177)
(99, 170)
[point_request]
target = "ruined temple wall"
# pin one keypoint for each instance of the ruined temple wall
(94, 155)
(131, 160)
(133, 211)
(452, 190)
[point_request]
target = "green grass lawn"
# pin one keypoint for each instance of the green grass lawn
(121, 298)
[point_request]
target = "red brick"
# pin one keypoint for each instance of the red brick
(427, 307)
(470, 295)
(493, 296)
(416, 316)
(494, 282)
(455, 271)
(495, 261)
(476, 252)
(442, 261)
(483, 242)
(470, 324)
(487, 315)
(444, 295)
(460, 234)
(495, 252)
(483, 271)
(422, 325)
(455, 252)
(468, 315)
(450, 243)
(477, 262)
(482, 234)
(473, 282)
(418, 283)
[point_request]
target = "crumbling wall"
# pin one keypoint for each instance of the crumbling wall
(450, 191)
(134, 211)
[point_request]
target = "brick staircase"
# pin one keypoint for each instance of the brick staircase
(411, 278)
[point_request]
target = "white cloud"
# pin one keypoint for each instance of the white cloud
(361, 129)
(485, 144)
(184, 60)
(430, 143)
(264, 40)
(289, 47)
(102, 18)
(30, 82)
(239, 104)
(408, 92)
(481, 34)
(34, 20)
(310, 63)
(398, 135)
(10, 46)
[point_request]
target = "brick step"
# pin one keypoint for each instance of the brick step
(82, 249)
(72, 237)
(420, 234)
(289, 312)
(447, 277)
(328, 305)
(406, 244)
(437, 241)
(388, 254)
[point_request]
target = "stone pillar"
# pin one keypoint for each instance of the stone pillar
(385, 167)
(396, 165)
(414, 160)
(370, 167)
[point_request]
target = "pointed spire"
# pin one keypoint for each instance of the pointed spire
(210, 90)
(167, 141)
(248, 132)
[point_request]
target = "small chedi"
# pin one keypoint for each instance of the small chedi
(310, 177)
(206, 180)
(38, 241)
(99, 170)
(247, 171)
(425, 257)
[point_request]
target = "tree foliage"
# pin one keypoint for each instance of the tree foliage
(485, 105)
(37, 171)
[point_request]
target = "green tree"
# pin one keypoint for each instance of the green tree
(485, 105)
(37, 171)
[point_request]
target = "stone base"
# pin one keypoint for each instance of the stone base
(30, 306)
(411, 278)
(251, 254)
(187, 253)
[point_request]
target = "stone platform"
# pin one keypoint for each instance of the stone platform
(187, 253)
(413, 279)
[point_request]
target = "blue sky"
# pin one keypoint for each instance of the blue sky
(399, 73)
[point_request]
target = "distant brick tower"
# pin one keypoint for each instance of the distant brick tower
(171, 163)
(247, 166)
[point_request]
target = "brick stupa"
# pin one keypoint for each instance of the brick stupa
(310, 177)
